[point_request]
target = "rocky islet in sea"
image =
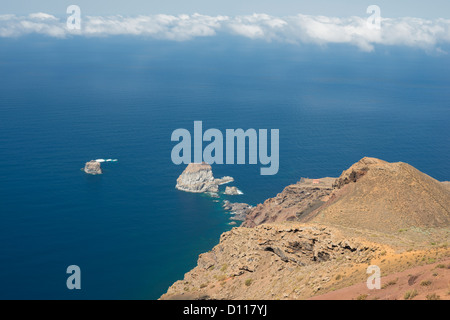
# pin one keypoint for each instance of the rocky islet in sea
(199, 178)
(93, 167)
(232, 191)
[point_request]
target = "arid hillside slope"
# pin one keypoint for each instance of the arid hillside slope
(372, 194)
(377, 195)
(296, 261)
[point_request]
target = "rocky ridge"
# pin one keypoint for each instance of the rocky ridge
(377, 195)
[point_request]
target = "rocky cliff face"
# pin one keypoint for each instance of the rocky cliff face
(197, 178)
(93, 167)
(295, 200)
(267, 262)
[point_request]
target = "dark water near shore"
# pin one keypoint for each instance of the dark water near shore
(64, 102)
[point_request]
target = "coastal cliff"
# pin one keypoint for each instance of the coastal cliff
(318, 237)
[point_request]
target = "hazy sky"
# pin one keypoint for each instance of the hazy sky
(389, 8)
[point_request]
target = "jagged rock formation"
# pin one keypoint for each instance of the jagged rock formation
(295, 200)
(93, 167)
(232, 191)
(223, 180)
(198, 178)
(239, 210)
(356, 171)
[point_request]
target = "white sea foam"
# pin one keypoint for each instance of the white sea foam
(107, 160)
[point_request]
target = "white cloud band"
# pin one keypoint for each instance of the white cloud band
(413, 32)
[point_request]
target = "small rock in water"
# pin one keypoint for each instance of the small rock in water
(232, 191)
(238, 210)
(224, 180)
(93, 167)
(212, 194)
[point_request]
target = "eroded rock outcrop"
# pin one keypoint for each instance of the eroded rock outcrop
(295, 201)
(232, 191)
(356, 171)
(224, 180)
(261, 263)
(238, 210)
(197, 178)
(93, 167)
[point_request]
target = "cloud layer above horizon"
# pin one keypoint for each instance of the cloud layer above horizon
(298, 29)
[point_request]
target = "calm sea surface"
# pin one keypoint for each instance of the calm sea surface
(65, 102)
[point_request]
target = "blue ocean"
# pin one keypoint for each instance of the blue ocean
(64, 102)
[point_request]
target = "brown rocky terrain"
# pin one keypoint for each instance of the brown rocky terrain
(377, 195)
(372, 194)
(424, 282)
(446, 184)
(317, 238)
(295, 200)
(295, 261)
